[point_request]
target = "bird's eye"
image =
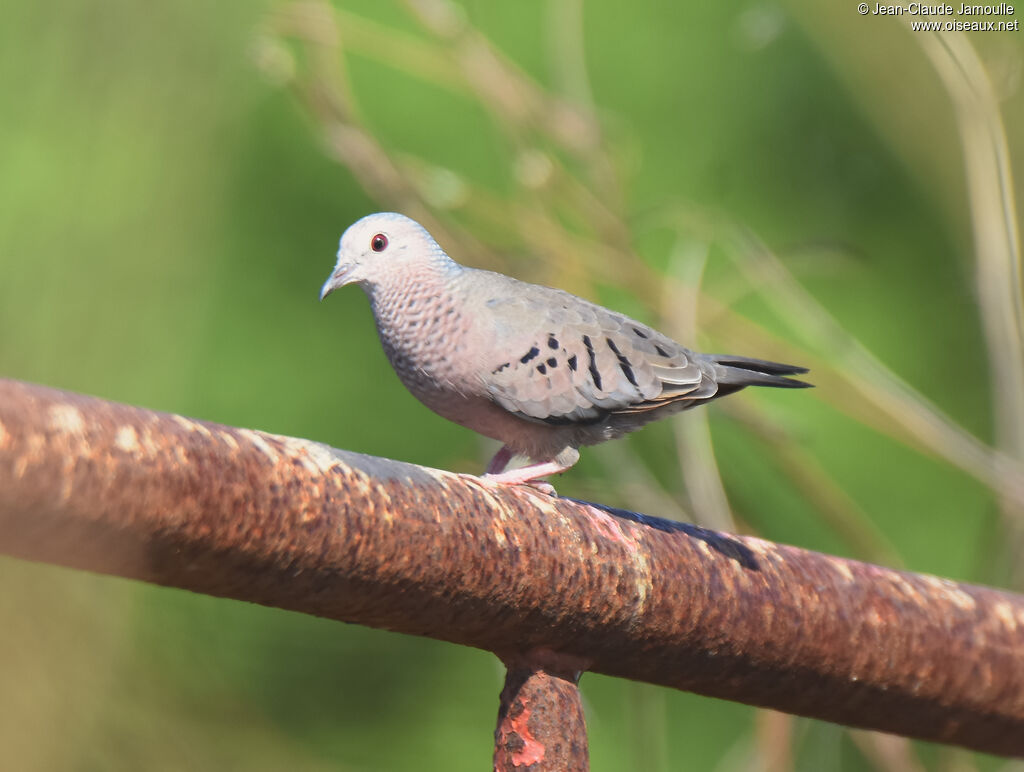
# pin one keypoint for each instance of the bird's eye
(379, 243)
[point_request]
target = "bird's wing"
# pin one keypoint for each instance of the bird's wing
(556, 358)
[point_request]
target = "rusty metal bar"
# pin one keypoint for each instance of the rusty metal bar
(299, 525)
(540, 721)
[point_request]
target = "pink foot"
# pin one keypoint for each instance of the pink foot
(528, 475)
(543, 487)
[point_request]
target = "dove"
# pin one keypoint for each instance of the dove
(542, 371)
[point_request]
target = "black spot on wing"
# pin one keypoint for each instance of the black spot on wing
(639, 333)
(594, 374)
(627, 371)
(533, 352)
(552, 341)
(624, 364)
(661, 351)
(552, 362)
(500, 367)
(572, 363)
(542, 369)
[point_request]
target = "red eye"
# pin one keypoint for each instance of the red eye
(379, 243)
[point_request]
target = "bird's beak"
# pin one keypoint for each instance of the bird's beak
(337, 279)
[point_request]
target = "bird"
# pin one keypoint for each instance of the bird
(542, 371)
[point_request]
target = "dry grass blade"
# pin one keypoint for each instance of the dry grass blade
(903, 406)
(632, 480)
(773, 736)
(693, 437)
(996, 240)
(887, 752)
(833, 504)
(324, 89)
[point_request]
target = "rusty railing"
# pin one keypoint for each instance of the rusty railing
(554, 587)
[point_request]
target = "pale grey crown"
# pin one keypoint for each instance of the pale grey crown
(383, 248)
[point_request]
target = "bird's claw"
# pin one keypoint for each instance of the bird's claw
(541, 486)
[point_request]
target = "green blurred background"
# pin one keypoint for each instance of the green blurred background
(784, 180)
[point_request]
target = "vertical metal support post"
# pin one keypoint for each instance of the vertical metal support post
(540, 720)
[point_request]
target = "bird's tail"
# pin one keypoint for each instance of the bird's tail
(734, 372)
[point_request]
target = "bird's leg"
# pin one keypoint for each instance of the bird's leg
(499, 462)
(529, 475)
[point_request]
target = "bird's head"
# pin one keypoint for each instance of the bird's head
(382, 248)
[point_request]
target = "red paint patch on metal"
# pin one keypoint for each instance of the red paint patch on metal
(514, 733)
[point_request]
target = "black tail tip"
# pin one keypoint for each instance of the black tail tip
(761, 372)
(758, 365)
